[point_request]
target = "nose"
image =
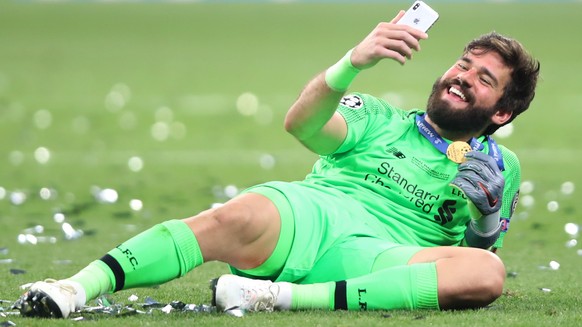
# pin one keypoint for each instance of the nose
(467, 77)
(461, 81)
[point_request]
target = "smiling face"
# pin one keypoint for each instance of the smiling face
(463, 100)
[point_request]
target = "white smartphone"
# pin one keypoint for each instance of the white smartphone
(419, 16)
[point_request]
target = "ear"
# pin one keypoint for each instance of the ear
(501, 117)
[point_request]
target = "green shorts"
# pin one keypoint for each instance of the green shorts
(326, 236)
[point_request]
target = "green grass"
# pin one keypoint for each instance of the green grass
(196, 60)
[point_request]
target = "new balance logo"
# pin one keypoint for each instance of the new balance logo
(396, 152)
(446, 212)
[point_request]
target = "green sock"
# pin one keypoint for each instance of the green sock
(166, 251)
(312, 296)
(94, 278)
(400, 287)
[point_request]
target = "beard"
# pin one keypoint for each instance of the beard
(470, 120)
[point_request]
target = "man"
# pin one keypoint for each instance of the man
(399, 212)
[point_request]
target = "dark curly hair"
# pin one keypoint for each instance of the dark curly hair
(520, 91)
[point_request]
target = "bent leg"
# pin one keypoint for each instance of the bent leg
(243, 232)
(467, 277)
(407, 277)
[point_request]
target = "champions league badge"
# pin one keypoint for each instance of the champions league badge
(352, 101)
(456, 151)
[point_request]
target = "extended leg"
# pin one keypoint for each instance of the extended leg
(242, 233)
(437, 278)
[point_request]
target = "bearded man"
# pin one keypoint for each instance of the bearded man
(403, 210)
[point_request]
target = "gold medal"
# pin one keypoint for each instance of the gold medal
(456, 151)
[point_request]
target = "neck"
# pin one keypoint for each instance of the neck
(451, 135)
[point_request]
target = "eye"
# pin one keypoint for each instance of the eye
(485, 81)
(462, 66)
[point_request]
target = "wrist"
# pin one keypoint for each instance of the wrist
(481, 222)
(474, 237)
(339, 76)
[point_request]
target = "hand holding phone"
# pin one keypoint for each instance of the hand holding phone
(419, 16)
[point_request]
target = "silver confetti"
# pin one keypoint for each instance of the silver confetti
(267, 161)
(38, 229)
(107, 195)
(59, 218)
(167, 309)
(17, 198)
(526, 187)
(571, 243)
(42, 155)
(47, 193)
(70, 232)
(43, 119)
(554, 265)
(553, 206)
(567, 188)
(135, 204)
(247, 104)
(230, 191)
(572, 229)
(135, 164)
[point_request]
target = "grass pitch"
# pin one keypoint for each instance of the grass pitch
(176, 105)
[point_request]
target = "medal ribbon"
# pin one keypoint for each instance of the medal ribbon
(430, 134)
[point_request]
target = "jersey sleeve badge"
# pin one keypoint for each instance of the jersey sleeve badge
(352, 101)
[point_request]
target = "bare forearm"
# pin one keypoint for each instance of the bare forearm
(312, 118)
(313, 108)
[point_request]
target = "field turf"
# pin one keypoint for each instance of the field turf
(176, 105)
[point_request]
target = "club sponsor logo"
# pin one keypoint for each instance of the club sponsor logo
(390, 178)
(446, 212)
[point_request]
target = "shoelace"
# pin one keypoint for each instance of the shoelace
(261, 299)
(67, 288)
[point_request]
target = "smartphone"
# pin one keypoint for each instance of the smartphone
(419, 16)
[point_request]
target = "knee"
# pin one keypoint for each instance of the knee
(492, 279)
(475, 280)
(221, 223)
(232, 216)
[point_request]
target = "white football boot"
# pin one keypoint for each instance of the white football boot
(231, 292)
(51, 299)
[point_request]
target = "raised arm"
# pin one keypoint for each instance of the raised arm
(312, 119)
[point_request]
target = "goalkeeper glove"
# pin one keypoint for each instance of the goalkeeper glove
(481, 181)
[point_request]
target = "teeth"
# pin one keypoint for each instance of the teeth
(457, 92)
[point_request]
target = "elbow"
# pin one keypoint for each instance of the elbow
(289, 125)
(292, 126)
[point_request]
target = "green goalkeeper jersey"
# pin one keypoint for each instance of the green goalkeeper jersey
(399, 176)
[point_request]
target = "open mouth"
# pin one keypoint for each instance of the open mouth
(458, 93)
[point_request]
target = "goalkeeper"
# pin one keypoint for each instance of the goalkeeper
(403, 210)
